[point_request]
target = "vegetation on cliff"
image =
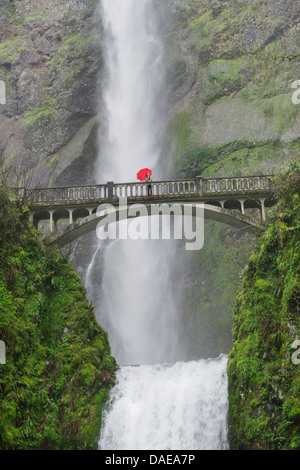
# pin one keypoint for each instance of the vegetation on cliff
(58, 365)
(50, 58)
(231, 68)
(264, 380)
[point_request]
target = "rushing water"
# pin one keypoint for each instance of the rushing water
(160, 407)
(139, 299)
(161, 400)
(133, 94)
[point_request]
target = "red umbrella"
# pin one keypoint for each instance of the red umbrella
(141, 175)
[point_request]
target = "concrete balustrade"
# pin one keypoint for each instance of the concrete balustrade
(197, 187)
(237, 185)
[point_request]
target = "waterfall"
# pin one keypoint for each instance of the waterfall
(161, 399)
(133, 94)
(139, 302)
(182, 406)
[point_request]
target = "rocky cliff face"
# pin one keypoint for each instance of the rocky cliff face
(230, 69)
(50, 60)
(233, 67)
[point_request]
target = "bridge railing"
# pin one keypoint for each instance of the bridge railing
(237, 184)
(158, 188)
(66, 195)
(185, 187)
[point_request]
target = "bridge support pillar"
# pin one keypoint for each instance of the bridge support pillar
(51, 221)
(71, 216)
(242, 202)
(262, 210)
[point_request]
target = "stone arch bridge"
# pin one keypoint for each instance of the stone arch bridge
(72, 211)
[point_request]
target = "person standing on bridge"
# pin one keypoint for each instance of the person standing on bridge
(148, 179)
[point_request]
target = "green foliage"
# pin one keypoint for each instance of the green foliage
(195, 160)
(263, 380)
(287, 186)
(42, 116)
(36, 14)
(58, 365)
(241, 157)
(10, 48)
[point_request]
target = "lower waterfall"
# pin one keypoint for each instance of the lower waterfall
(181, 406)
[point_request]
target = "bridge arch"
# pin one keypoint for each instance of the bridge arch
(80, 213)
(215, 202)
(90, 223)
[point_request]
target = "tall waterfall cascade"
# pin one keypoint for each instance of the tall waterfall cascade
(162, 399)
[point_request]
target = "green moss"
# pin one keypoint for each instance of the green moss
(10, 48)
(36, 14)
(252, 158)
(263, 381)
(284, 113)
(230, 73)
(181, 131)
(58, 367)
(43, 116)
(53, 160)
(234, 158)
(74, 46)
